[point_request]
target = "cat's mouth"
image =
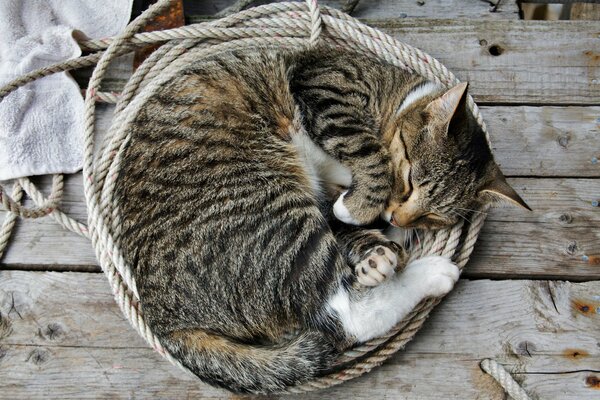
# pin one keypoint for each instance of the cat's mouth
(393, 222)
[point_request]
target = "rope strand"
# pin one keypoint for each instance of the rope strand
(507, 382)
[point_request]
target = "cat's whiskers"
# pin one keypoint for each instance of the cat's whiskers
(456, 212)
(418, 238)
(470, 210)
(409, 238)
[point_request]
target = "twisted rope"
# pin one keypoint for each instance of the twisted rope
(10, 220)
(507, 382)
(287, 25)
(43, 208)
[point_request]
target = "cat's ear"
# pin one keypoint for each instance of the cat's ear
(450, 104)
(500, 189)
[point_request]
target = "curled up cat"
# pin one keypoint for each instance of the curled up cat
(243, 193)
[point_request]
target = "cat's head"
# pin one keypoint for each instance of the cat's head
(443, 165)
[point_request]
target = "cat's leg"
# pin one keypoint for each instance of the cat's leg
(373, 257)
(366, 314)
(356, 160)
(369, 164)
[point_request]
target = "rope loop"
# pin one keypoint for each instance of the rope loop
(505, 380)
(14, 205)
(276, 26)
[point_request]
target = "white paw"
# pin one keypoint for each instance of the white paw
(379, 265)
(432, 276)
(342, 213)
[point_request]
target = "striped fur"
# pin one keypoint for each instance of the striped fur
(230, 234)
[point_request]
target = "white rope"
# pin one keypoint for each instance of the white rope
(505, 380)
(278, 25)
(10, 220)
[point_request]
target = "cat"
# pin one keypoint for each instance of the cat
(242, 193)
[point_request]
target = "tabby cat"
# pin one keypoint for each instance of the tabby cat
(242, 190)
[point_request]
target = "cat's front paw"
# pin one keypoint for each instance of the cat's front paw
(342, 213)
(378, 265)
(432, 276)
(349, 210)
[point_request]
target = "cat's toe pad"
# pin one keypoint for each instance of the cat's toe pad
(378, 265)
(434, 275)
(342, 213)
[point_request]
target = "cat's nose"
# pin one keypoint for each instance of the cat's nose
(401, 219)
(387, 213)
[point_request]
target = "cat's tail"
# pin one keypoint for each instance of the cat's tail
(245, 368)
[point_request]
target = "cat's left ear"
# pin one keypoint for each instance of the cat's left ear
(500, 189)
(448, 105)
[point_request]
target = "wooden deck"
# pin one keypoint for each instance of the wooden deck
(529, 298)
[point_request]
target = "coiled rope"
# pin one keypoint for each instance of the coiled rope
(288, 25)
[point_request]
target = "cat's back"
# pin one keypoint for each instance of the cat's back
(214, 200)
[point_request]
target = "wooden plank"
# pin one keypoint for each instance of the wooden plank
(505, 61)
(545, 141)
(585, 11)
(559, 239)
(533, 62)
(67, 339)
(389, 8)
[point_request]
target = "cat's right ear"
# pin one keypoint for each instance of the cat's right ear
(499, 189)
(445, 107)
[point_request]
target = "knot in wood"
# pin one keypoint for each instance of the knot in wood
(564, 139)
(572, 248)
(495, 50)
(566, 218)
(38, 356)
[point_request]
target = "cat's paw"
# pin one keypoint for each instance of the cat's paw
(432, 276)
(378, 265)
(352, 209)
(342, 213)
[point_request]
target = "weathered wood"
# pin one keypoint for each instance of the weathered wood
(388, 8)
(545, 141)
(585, 11)
(511, 250)
(516, 62)
(549, 242)
(67, 339)
(512, 61)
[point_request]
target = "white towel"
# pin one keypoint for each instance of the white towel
(41, 124)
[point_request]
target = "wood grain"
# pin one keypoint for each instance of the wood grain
(194, 10)
(545, 141)
(69, 340)
(505, 61)
(512, 61)
(585, 11)
(549, 242)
